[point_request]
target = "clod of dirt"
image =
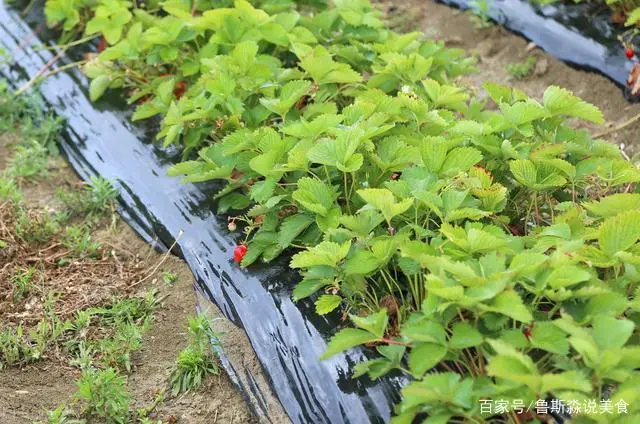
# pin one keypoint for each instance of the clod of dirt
(633, 82)
(542, 67)
(454, 41)
(488, 48)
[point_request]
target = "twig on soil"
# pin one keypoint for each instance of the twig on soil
(159, 264)
(618, 127)
(53, 246)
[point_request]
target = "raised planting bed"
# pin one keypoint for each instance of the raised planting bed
(472, 251)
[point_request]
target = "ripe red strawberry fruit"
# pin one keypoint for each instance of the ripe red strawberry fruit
(181, 87)
(239, 252)
(102, 44)
(629, 52)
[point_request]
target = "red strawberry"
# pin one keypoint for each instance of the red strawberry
(239, 252)
(629, 52)
(181, 87)
(102, 44)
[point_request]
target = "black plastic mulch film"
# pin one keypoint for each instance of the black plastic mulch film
(579, 34)
(287, 337)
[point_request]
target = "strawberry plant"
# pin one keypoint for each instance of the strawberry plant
(485, 248)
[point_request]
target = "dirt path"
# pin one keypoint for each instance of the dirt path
(27, 392)
(496, 47)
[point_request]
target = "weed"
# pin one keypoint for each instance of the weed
(27, 114)
(116, 351)
(128, 318)
(101, 194)
(78, 240)
(522, 69)
(35, 227)
(132, 310)
(169, 277)
(9, 190)
(28, 161)
(22, 282)
(82, 320)
(146, 420)
(104, 394)
(13, 347)
(61, 415)
(480, 17)
(93, 200)
(20, 346)
(5, 57)
(196, 361)
(143, 413)
(48, 331)
(83, 357)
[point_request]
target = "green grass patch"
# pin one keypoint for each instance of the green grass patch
(520, 70)
(196, 361)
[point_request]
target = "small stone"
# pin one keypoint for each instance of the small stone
(531, 47)
(454, 41)
(542, 67)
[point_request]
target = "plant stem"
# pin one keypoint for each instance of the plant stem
(346, 193)
(62, 68)
(35, 78)
(394, 342)
(618, 127)
(66, 46)
(27, 9)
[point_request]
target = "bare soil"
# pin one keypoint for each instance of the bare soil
(26, 393)
(496, 47)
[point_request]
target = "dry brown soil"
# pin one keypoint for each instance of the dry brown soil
(25, 393)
